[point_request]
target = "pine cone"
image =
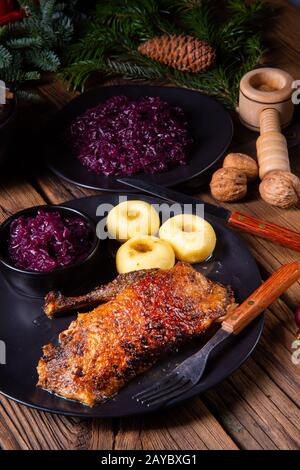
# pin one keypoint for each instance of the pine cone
(184, 53)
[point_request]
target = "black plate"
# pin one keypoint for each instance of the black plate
(25, 329)
(210, 125)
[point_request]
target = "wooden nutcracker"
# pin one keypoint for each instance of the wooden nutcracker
(265, 105)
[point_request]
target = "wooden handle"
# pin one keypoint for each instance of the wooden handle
(264, 229)
(272, 150)
(8, 94)
(269, 291)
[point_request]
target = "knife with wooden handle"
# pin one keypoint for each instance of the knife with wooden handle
(247, 223)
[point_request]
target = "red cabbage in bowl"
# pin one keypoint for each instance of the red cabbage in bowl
(122, 136)
(48, 241)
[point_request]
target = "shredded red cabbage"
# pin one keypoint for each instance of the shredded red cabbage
(48, 241)
(122, 136)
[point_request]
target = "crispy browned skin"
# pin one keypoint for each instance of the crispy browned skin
(56, 303)
(104, 349)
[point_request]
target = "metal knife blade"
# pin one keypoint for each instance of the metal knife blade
(174, 196)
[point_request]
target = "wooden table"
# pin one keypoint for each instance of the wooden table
(258, 406)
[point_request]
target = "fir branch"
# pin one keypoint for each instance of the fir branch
(36, 43)
(63, 30)
(24, 43)
(254, 55)
(3, 32)
(47, 11)
(96, 42)
(199, 19)
(110, 41)
(5, 57)
(46, 60)
(78, 72)
(28, 26)
(30, 6)
(29, 96)
(135, 71)
(247, 11)
(31, 76)
(214, 83)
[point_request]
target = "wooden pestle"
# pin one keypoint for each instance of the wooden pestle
(272, 151)
(265, 105)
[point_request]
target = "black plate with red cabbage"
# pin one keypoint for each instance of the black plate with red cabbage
(123, 136)
(204, 127)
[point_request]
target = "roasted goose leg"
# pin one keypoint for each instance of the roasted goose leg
(56, 303)
(103, 350)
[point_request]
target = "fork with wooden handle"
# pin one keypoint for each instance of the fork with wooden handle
(190, 371)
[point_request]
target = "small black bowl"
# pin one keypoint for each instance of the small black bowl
(37, 284)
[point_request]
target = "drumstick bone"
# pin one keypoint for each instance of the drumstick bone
(56, 303)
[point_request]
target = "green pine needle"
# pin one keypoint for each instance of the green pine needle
(5, 57)
(31, 97)
(44, 59)
(24, 43)
(29, 76)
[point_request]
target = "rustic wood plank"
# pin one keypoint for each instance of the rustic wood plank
(251, 402)
(191, 427)
(102, 435)
(283, 38)
(128, 434)
(15, 195)
(236, 419)
(22, 428)
(56, 191)
(273, 411)
(55, 93)
(259, 405)
(274, 351)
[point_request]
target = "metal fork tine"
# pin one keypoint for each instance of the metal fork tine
(163, 385)
(169, 396)
(161, 393)
(158, 386)
(184, 376)
(161, 390)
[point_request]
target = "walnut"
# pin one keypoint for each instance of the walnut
(228, 184)
(280, 188)
(242, 162)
